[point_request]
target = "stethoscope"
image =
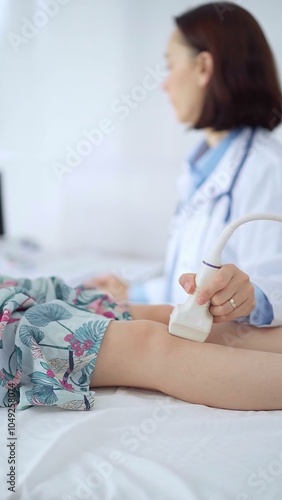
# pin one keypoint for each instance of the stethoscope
(228, 194)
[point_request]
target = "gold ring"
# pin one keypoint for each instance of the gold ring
(232, 303)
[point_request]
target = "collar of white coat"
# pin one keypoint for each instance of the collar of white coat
(220, 181)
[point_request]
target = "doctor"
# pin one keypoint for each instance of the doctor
(222, 79)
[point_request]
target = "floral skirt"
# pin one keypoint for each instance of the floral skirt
(50, 336)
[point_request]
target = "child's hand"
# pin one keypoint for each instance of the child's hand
(230, 292)
(110, 284)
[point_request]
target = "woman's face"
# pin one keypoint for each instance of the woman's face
(188, 76)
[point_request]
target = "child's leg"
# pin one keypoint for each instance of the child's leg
(227, 334)
(243, 336)
(159, 313)
(143, 354)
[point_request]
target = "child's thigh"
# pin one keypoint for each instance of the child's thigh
(244, 336)
(160, 313)
(131, 354)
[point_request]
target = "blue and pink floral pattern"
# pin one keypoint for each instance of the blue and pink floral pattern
(50, 335)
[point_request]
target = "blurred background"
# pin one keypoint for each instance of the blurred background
(90, 148)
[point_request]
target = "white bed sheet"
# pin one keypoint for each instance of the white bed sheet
(142, 445)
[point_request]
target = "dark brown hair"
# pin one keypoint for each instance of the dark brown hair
(244, 88)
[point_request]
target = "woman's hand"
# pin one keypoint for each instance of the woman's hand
(230, 292)
(110, 284)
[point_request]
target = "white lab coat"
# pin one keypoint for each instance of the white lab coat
(256, 247)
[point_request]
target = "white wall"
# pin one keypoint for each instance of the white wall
(64, 80)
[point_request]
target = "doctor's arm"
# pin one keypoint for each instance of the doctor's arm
(252, 287)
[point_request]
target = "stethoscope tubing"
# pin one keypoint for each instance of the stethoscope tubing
(228, 194)
(235, 178)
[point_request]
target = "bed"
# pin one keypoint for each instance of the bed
(142, 445)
